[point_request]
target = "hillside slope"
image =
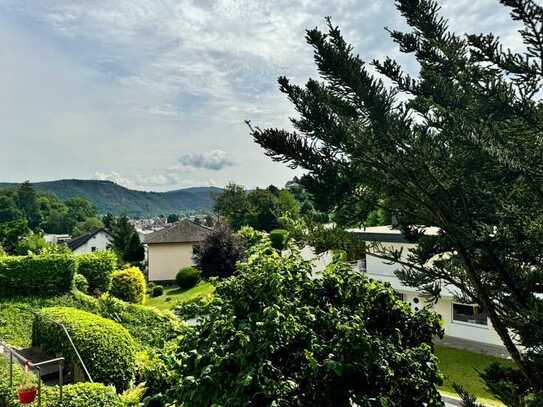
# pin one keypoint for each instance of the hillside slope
(116, 199)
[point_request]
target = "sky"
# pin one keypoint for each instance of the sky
(153, 94)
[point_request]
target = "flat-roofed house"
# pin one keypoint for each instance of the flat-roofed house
(465, 322)
(170, 249)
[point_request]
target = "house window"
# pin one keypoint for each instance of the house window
(399, 295)
(93, 249)
(472, 314)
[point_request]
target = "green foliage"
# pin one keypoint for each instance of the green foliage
(510, 386)
(83, 395)
(86, 226)
(456, 147)
(260, 208)
(274, 335)
(172, 218)
(81, 283)
(36, 275)
(98, 268)
(187, 277)
(157, 291)
(217, 254)
(107, 349)
(149, 326)
(126, 241)
(128, 285)
(109, 197)
(33, 243)
(279, 238)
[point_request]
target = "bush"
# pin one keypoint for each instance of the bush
(83, 395)
(32, 275)
(218, 253)
(98, 268)
(147, 325)
(279, 239)
(81, 283)
(128, 285)
(107, 349)
(157, 291)
(187, 277)
(275, 335)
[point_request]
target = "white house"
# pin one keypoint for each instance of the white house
(56, 238)
(465, 325)
(462, 322)
(91, 242)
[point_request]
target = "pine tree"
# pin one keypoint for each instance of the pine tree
(458, 147)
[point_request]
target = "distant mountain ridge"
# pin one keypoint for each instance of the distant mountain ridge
(110, 197)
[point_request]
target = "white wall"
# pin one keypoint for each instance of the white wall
(463, 330)
(100, 241)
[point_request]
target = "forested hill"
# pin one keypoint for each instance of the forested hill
(111, 197)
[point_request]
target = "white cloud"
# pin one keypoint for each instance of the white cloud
(128, 84)
(212, 160)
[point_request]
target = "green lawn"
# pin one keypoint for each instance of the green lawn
(175, 296)
(460, 366)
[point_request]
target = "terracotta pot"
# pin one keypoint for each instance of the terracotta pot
(27, 396)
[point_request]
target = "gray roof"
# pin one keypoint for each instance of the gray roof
(183, 231)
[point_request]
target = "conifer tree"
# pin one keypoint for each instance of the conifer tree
(459, 147)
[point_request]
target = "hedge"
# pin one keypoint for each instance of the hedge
(148, 325)
(128, 285)
(97, 268)
(187, 277)
(83, 395)
(47, 274)
(107, 348)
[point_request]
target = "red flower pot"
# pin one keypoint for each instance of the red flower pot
(27, 396)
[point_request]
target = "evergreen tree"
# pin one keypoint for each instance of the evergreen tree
(457, 147)
(28, 204)
(126, 241)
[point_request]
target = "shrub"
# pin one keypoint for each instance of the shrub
(187, 277)
(83, 395)
(218, 253)
(128, 285)
(279, 238)
(81, 283)
(32, 275)
(98, 268)
(107, 349)
(157, 291)
(147, 325)
(275, 335)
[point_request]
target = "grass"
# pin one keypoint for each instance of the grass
(176, 296)
(460, 366)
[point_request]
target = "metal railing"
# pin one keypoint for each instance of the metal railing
(33, 366)
(71, 343)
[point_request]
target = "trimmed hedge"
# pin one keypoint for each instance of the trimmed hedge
(81, 283)
(36, 275)
(97, 268)
(83, 395)
(128, 285)
(187, 277)
(157, 291)
(148, 325)
(107, 348)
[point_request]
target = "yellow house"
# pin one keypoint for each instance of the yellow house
(170, 249)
